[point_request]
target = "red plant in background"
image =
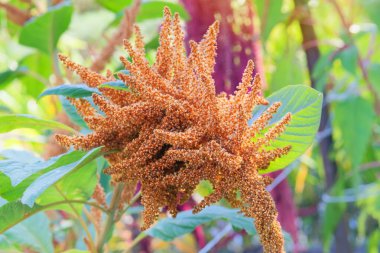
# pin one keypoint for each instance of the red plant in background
(237, 43)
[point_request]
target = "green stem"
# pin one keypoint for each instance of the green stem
(81, 221)
(140, 237)
(114, 205)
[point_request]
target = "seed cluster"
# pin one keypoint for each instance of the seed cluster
(171, 130)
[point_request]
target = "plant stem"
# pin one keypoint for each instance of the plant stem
(114, 205)
(81, 221)
(140, 237)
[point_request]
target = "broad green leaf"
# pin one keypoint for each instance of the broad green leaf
(117, 85)
(15, 212)
(51, 177)
(19, 169)
(305, 104)
(44, 31)
(34, 233)
(71, 189)
(352, 123)
(24, 175)
(114, 5)
(170, 228)
(270, 15)
(154, 9)
(38, 68)
(15, 121)
(70, 90)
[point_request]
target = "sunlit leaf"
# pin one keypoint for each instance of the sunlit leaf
(270, 15)
(114, 5)
(305, 104)
(47, 179)
(16, 121)
(70, 90)
(44, 31)
(153, 9)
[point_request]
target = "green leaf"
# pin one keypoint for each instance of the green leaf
(72, 112)
(15, 121)
(70, 90)
(114, 5)
(44, 31)
(170, 228)
(70, 188)
(153, 9)
(270, 15)
(14, 212)
(305, 104)
(19, 169)
(33, 232)
(374, 76)
(352, 123)
(38, 68)
(349, 59)
(51, 177)
(8, 76)
(24, 173)
(117, 85)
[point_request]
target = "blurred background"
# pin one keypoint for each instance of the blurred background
(328, 200)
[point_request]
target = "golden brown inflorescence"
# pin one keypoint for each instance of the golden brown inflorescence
(171, 130)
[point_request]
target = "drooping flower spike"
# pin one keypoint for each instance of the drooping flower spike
(171, 130)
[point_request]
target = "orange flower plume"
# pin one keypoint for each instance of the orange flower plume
(171, 130)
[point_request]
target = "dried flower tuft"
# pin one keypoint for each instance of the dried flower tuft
(171, 130)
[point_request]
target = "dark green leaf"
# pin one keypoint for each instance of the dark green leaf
(51, 177)
(15, 121)
(168, 229)
(117, 85)
(44, 31)
(34, 233)
(70, 90)
(305, 104)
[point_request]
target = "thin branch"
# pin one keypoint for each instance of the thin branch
(219, 236)
(110, 219)
(80, 219)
